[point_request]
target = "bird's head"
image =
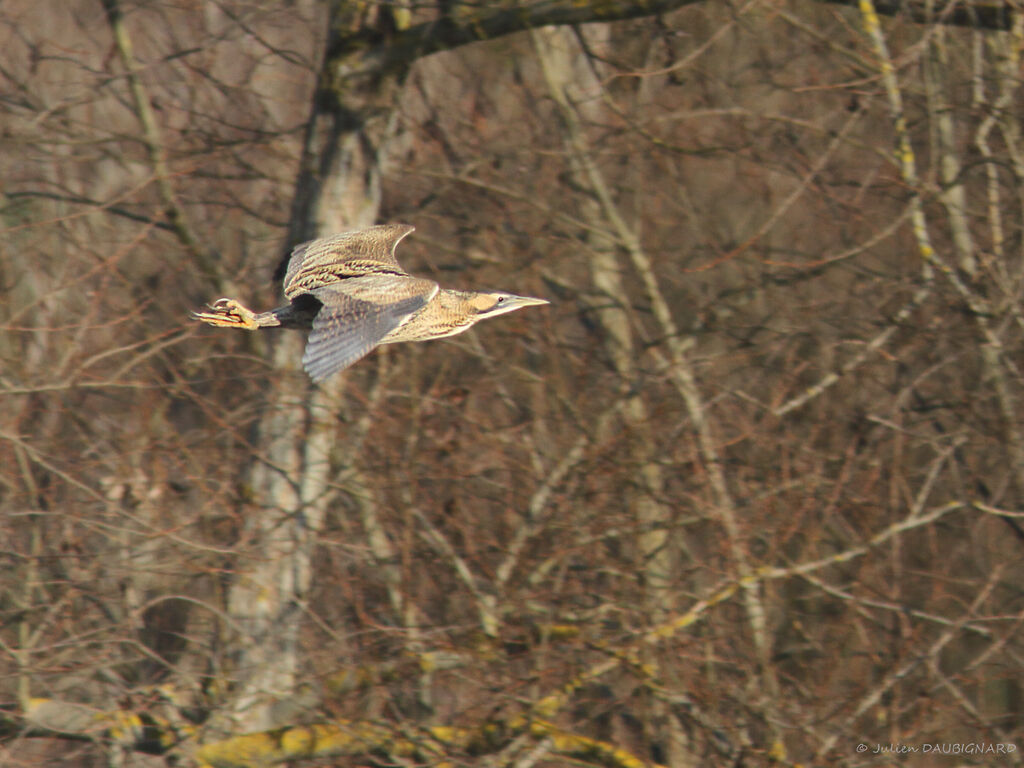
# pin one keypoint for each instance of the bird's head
(494, 303)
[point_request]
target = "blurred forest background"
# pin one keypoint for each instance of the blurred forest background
(749, 492)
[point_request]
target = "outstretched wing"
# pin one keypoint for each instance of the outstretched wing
(357, 314)
(345, 255)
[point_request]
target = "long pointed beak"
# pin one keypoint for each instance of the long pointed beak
(528, 301)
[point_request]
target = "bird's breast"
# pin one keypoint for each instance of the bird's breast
(434, 321)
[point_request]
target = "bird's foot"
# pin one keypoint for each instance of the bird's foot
(228, 313)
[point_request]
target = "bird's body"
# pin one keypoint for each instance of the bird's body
(351, 293)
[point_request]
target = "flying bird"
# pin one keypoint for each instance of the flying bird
(349, 291)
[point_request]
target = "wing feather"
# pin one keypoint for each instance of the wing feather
(356, 315)
(344, 255)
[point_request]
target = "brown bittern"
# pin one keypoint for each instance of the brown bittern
(350, 292)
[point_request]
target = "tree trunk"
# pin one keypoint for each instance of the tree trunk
(338, 188)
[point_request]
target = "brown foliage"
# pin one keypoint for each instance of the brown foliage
(746, 492)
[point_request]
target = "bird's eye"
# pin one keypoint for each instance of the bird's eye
(501, 299)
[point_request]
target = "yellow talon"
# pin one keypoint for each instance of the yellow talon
(228, 313)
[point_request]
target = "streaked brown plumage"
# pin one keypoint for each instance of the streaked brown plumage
(352, 294)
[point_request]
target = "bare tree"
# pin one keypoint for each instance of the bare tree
(748, 492)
